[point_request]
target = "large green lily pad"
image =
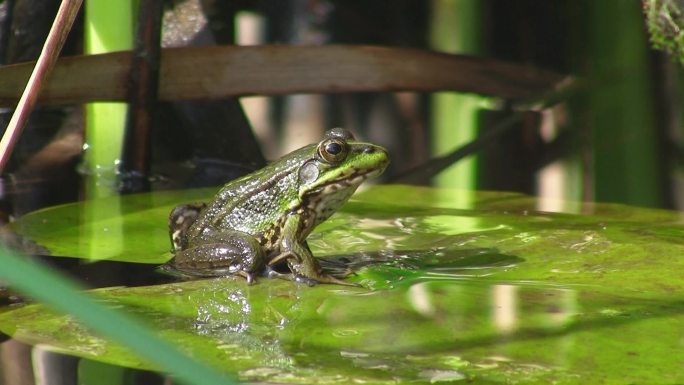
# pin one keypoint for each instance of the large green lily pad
(130, 228)
(458, 287)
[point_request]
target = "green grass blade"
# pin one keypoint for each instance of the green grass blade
(65, 296)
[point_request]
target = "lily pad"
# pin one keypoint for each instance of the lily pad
(457, 287)
(129, 228)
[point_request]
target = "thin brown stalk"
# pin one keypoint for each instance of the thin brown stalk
(66, 15)
(142, 99)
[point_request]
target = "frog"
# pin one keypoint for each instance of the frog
(261, 221)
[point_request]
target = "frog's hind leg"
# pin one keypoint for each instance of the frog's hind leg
(221, 254)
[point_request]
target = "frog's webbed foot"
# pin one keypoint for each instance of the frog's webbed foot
(319, 277)
(343, 273)
(271, 273)
(326, 278)
(221, 254)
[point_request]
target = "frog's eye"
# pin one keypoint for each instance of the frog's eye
(333, 150)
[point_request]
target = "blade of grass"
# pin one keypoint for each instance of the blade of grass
(63, 295)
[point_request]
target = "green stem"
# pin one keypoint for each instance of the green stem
(108, 27)
(455, 29)
(625, 158)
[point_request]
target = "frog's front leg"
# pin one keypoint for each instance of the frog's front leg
(220, 254)
(303, 265)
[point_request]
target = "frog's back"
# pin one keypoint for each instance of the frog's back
(251, 204)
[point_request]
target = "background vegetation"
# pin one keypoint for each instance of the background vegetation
(616, 139)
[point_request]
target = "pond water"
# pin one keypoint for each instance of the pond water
(456, 287)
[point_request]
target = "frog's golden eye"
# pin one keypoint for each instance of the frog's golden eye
(333, 150)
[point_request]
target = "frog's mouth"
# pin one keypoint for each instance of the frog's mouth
(348, 180)
(358, 175)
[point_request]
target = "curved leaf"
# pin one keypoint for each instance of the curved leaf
(228, 71)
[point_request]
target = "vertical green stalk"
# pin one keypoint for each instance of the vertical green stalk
(108, 27)
(455, 28)
(622, 114)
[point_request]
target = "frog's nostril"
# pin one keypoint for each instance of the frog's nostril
(368, 150)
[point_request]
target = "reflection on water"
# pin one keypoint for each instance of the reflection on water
(505, 309)
(240, 331)
(422, 329)
(426, 330)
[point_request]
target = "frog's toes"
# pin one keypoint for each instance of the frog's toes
(302, 279)
(345, 273)
(309, 281)
(272, 273)
(249, 277)
(334, 280)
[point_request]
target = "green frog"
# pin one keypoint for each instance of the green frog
(261, 220)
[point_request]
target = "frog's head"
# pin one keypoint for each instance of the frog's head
(337, 166)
